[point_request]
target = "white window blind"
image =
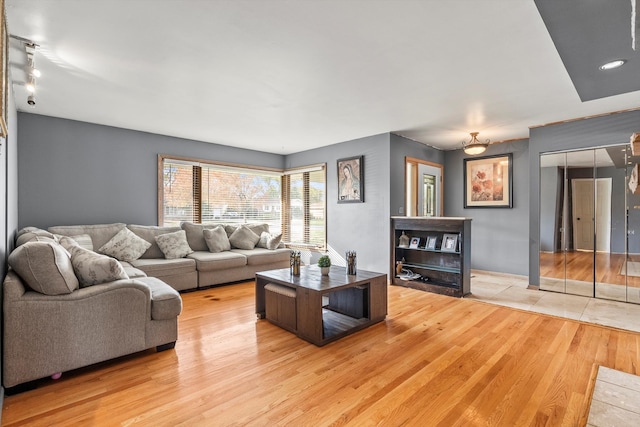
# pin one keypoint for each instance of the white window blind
(292, 202)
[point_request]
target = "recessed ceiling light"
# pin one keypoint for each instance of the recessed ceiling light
(613, 64)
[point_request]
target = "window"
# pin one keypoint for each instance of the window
(304, 196)
(291, 202)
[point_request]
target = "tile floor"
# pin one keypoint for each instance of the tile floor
(616, 399)
(512, 291)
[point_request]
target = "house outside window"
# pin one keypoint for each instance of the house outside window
(292, 202)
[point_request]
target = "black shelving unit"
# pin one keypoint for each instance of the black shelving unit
(443, 268)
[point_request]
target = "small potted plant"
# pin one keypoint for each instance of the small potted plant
(324, 262)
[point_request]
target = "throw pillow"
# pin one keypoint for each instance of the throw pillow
(269, 241)
(45, 267)
(174, 245)
(244, 238)
(195, 235)
(256, 228)
(83, 240)
(217, 239)
(125, 246)
(92, 268)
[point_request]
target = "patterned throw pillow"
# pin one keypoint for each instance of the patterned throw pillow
(125, 246)
(269, 241)
(174, 245)
(217, 239)
(244, 238)
(92, 268)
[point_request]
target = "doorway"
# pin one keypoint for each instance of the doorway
(591, 214)
(423, 185)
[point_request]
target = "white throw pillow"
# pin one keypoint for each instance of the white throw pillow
(244, 238)
(125, 246)
(269, 241)
(174, 245)
(217, 240)
(92, 268)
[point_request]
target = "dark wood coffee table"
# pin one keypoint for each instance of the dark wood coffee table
(329, 307)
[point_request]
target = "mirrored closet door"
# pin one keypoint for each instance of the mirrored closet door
(584, 245)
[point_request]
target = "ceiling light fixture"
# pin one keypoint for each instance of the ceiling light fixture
(30, 68)
(613, 64)
(473, 146)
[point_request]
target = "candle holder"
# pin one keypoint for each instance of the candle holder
(295, 263)
(351, 263)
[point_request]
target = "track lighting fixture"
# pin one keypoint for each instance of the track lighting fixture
(32, 72)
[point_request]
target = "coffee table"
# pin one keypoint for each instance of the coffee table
(329, 307)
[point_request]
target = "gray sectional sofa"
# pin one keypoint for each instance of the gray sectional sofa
(78, 295)
(198, 269)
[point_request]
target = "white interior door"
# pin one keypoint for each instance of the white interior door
(583, 214)
(591, 219)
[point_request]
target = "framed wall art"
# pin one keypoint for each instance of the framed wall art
(351, 180)
(488, 182)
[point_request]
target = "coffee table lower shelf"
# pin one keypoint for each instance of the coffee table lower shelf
(335, 325)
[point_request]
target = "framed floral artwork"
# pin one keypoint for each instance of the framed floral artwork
(488, 182)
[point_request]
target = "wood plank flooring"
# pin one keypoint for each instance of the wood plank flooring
(435, 361)
(579, 266)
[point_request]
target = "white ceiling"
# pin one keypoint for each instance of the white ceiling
(284, 76)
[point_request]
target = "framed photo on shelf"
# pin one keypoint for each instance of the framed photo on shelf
(449, 243)
(351, 180)
(431, 242)
(488, 182)
(414, 243)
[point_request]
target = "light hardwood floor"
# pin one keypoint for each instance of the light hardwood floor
(578, 265)
(436, 360)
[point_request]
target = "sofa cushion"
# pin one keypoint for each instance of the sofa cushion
(82, 240)
(165, 301)
(45, 267)
(100, 233)
(260, 256)
(28, 233)
(209, 261)
(165, 267)
(174, 245)
(255, 227)
(244, 238)
(195, 235)
(125, 246)
(217, 239)
(92, 268)
(131, 271)
(149, 233)
(269, 241)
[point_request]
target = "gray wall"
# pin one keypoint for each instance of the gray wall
(73, 172)
(549, 181)
(594, 132)
(363, 227)
(499, 240)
